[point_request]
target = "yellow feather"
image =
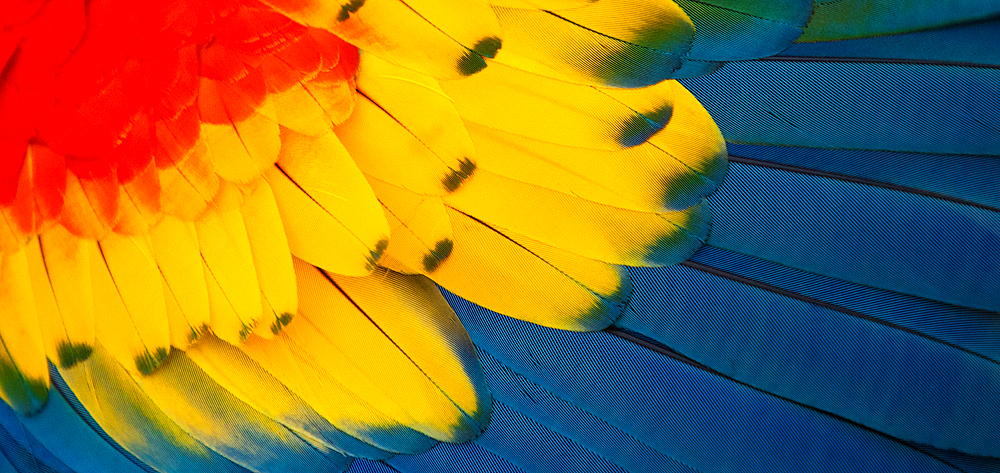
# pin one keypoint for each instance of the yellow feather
(645, 177)
(542, 4)
(126, 414)
(365, 352)
(224, 423)
(559, 112)
(330, 214)
(692, 137)
(407, 36)
(421, 231)
(177, 254)
(238, 374)
(230, 276)
(242, 150)
(529, 280)
(597, 231)
(303, 372)
(409, 311)
(271, 259)
(614, 43)
(60, 269)
(24, 374)
(128, 295)
(313, 107)
(406, 131)
(318, 13)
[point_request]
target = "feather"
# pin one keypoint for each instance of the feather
(320, 191)
(421, 235)
(129, 417)
(611, 43)
(406, 131)
(271, 259)
(233, 288)
(701, 421)
(856, 105)
(178, 257)
(220, 420)
(444, 39)
(424, 386)
(60, 268)
(301, 368)
(588, 229)
(507, 99)
(24, 381)
(566, 290)
(840, 19)
(128, 296)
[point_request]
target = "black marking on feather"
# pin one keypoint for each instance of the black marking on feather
(280, 322)
(488, 46)
(373, 258)
(347, 9)
(440, 252)
(197, 332)
(470, 63)
(147, 362)
(70, 353)
(455, 178)
(245, 332)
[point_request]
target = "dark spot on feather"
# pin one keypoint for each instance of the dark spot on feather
(373, 258)
(280, 323)
(245, 332)
(147, 362)
(470, 63)
(488, 46)
(454, 179)
(350, 7)
(70, 353)
(636, 129)
(440, 252)
(196, 333)
(26, 395)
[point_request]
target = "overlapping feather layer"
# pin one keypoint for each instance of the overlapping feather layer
(221, 222)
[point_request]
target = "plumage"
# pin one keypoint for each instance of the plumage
(22, 362)
(226, 228)
(613, 43)
(320, 191)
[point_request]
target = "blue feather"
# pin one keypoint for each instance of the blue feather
(696, 417)
(898, 382)
(967, 179)
(855, 105)
(878, 237)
